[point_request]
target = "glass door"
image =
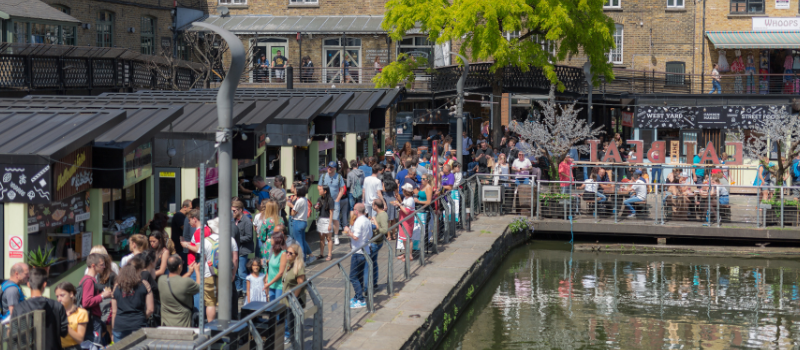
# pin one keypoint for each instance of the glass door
(168, 190)
(333, 63)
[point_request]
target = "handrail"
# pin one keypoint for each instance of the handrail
(334, 264)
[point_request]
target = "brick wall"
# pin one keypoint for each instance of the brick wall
(127, 14)
(322, 8)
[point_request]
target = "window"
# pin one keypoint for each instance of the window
(148, 35)
(183, 49)
(44, 33)
(548, 46)
(611, 3)
(417, 46)
(615, 55)
(21, 32)
(233, 2)
(67, 31)
(511, 35)
(105, 29)
(747, 6)
(303, 2)
(678, 69)
(674, 3)
(63, 8)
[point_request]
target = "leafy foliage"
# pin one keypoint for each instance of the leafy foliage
(520, 224)
(37, 258)
(400, 71)
(577, 26)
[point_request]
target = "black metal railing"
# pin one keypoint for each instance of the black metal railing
(28, 67)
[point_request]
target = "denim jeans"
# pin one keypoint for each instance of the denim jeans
(522, 180)
(274, 294)
(628, 202)
(656, 178)
(344, 213)
(118, 335)
(196, 296)
(353, 201)
(715, 86)
(373, 254)
(724, 200)
(298, 233)
(601, 198)
(94, 330)
(241, 274)
(357, 267)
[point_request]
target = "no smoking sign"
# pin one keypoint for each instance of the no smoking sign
(15, 247)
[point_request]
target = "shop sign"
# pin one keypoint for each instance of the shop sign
(698, 117)
(73, 173)
(782, 4)
(63, 212)
(381, 54)
(166, 174)
(627, 119)
(138, 164)
(708, 156)
(776, 24)
(23, 183)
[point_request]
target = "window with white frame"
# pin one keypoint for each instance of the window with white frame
(615, 55)
(303, 2)
(674, 3)
(548, 46)
(233, 2)
(511, 34)
(148, 36)
(612, 3)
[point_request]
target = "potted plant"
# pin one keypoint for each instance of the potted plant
(41, 259)
(520, 224)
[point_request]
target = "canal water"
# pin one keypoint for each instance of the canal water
(546, 297)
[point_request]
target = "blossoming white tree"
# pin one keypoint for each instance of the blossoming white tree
(554, 130)
(775, 131)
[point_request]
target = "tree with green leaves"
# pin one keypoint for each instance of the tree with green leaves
(578, 27)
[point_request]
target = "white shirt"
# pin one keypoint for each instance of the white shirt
(522, 165)
(207, 250)
(722, 190)
(371, 186)
(591, 186)
(640, 189)
(301, 207)
(362, 230)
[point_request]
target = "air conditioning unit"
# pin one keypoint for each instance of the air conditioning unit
(492, 194)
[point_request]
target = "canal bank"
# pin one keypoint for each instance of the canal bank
(423, 309)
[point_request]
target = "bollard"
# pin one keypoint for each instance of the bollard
(289, 78)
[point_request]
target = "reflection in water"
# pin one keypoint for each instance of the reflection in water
(545, 297)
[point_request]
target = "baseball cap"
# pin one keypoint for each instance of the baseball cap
(638, 172)
(333, 164)
(408, 187)
(389, 154)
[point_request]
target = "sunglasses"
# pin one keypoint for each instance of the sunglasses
(291, 253)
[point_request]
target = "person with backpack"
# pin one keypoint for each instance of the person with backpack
(11, 292)
(90, 296)
(795, 171)
(56, 324)
(355, 181)
(211, 250)
(335, 184)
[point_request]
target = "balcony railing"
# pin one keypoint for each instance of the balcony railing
(28, 67)
(317, 77)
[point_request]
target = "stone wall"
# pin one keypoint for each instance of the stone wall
(127, 14)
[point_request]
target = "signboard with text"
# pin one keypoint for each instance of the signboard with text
(22, 183)
(73, 174)
(138, 164)
(627, 119)
(776, 24)
(697, 117)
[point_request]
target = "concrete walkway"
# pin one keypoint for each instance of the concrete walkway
(398, 316)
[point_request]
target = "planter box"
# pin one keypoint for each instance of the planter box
(773, 216)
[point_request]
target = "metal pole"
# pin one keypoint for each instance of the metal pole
(202, 273)
(225, 96)
(460, 108)
(782, 205)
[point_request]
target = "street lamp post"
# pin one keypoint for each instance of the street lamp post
(225, 97)
(460, 109)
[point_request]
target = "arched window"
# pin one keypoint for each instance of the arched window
(615, 55)
(148, 34)
(105, 29)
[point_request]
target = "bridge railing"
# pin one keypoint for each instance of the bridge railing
(328, 313)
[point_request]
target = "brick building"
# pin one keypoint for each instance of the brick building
(140, 25)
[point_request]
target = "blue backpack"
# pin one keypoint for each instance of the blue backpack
(796, 169)
(6, 285)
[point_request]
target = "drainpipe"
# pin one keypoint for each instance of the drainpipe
(703, 53)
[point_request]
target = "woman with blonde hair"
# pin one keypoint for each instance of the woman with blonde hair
(294, 275)
(137, 244)
(271, 219)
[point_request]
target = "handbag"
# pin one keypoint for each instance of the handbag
(195, 313)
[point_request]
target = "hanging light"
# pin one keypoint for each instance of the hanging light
(629, 109)
(289, 140)
(358, 137)
(308, 141)
(267, 139)
(371, 135)
(414, 123)
(704, 109)
(405, 126)
(344, 138)
(326, 139)
(244, 137)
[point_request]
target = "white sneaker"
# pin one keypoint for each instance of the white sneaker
(632, 216)
(336, 240)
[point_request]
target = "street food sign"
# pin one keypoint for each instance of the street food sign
(23, 183)
(68, 211)
(73, 173)
(699, 117)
